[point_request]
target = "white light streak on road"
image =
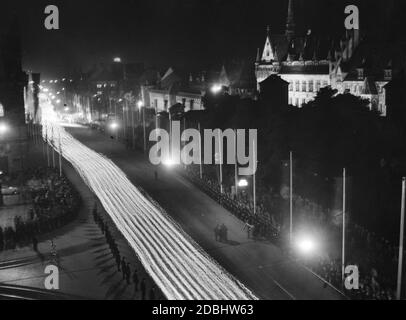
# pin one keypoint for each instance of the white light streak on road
(177, 264)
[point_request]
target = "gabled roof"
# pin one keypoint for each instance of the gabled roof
(369, 87)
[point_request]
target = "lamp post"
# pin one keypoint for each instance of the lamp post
(235, 165)
(60, 156)
(133, 127)
(401, 240)
(141, 107)
(343, 235)
(1, 189)
(3, 130)
(254, 179)
(220, 154)
(291, 197)
(53, 149)
(200, 152)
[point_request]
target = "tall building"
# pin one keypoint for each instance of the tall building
(13, 131)
(308, 63)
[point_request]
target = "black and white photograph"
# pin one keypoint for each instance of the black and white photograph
(216, 152)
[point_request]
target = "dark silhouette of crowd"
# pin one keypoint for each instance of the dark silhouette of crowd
(123, 266)
(375, 257)
(54, 204)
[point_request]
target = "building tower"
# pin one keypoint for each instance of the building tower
(290, 22)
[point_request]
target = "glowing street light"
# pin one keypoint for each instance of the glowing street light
(243, 183)
(58, 101)
(168, 162)
(216, 88)
(117, 59)
(306, 245)
(140, 104)
(114, 126)
(3, 128)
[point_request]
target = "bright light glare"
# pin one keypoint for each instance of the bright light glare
(306, 245)
(243, 183)
(140, 104)
(58, 101)
(3, 128)
(117, 59)
(114, 125)
(168, 162)
(216, 88)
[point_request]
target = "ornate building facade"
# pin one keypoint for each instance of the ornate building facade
(309, 63)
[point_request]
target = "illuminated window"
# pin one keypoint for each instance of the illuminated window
(1, 110)
(311, 86)
(318, 85)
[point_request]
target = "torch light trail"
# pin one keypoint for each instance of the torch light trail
(177, 264)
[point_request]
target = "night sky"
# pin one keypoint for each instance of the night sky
(191, 33)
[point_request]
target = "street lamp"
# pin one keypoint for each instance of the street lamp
(1, 189)
(216, 88)
(306, 244)
(114, 126)
(117, 60)
(243, 183)
(168, 162)
(140, 105)
(3, 128)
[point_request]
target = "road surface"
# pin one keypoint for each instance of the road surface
(261, 266)
(177, 264)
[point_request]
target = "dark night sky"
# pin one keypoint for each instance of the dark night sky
(163, 32)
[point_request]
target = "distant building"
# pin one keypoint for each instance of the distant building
(309, 63)
(173, 89)
(13, 131)
(32, 97)
(274, 91)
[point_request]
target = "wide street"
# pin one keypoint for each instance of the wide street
(260, 266)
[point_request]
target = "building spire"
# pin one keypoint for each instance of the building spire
(268, 53)
(290, 22)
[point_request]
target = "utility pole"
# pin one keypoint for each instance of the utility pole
(60, 156)
(200, 152)
(221, 163)
(344, 222)
(291, 198)
(401, 240)
(254, 179)
(235, 164)
(144, 129)
(53, 149)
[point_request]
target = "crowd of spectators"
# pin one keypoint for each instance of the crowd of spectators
(54, 203)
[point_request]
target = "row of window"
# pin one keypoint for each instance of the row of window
(190, 104)
(297, 102)
(100, 85)
(307, 85)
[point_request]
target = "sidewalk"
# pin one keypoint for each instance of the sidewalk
(87, 268)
